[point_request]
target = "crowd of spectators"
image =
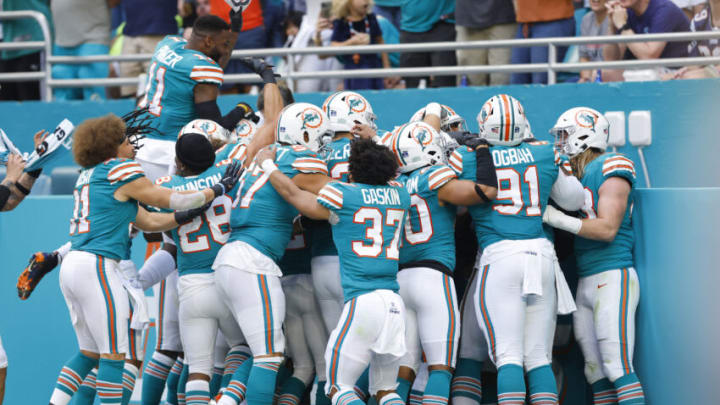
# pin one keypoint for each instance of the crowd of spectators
(96, 27)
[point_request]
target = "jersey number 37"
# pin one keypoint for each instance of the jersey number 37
(374, 232)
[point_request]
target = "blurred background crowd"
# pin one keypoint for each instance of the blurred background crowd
(123, 27)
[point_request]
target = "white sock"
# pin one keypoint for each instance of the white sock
(63, 250)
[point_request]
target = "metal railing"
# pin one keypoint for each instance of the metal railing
(45, 46)
(552, 67)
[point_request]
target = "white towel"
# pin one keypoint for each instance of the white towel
(532, 274)
(566, 304)
(140, 319)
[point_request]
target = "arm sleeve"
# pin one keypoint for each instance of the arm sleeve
(4, 195)
(156, 268)
(668, 19)
(209, 110)
(339, 34)
(619, 166)
(567, 192)
(375, 30)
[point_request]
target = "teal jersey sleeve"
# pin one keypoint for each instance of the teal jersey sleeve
(429, 234)
(101, 224)
(526, 174)
(200, 239)
(367, 225)
(595, 256)
(462, 161)
(337, 164)
(296, 259)
(172, 76)
(260, 216)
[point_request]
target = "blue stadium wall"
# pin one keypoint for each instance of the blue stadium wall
(677, 255)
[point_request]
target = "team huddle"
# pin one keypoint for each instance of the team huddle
(304, 249)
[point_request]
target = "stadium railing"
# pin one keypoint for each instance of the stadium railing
(551, 67)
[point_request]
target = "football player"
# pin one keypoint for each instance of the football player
(17, 183)
(367, 216)
(245, 268)
(516, 298)
(608, 290)
(106, 202)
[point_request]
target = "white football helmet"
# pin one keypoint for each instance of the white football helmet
(416, 145)
(580, 128)
(345, 108)
(210, 129)
(502, 121)
(450, 121)
(244, 131)
(304, 124)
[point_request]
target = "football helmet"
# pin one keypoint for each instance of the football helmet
(416, 145)
(450, 121)
(502, 121)
(244, 131)
(304, 124)
(210, 129)
(580, 128)
(346, 108)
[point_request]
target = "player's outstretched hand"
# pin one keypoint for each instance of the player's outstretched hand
(230, 178)
(182, 217)
(469, 139)
(261, 67)
(40, 264)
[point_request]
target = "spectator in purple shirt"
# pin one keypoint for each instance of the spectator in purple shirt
(146, 23)
(633, 17)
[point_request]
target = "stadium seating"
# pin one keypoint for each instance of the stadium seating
(63, 179)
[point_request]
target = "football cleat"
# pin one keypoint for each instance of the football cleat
(40, 264)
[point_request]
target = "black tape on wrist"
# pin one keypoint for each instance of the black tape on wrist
(485, 173)
(22, 188)
(35, 173)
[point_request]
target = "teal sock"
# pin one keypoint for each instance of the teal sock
(603, 392)
(172, 381)
(86, 394)
(109, 381)
(437, 389)
(510, 384)
(197, 392)
(403, 388)
(237, 387)
(543, 389)
(373, 401)
(216, 381)
(181, 385)
(154, 376)
(261, 383)
(362, 384)
(130, 373)
(391, 399)
(347, 398)
(235, 357)
(466, 383)
(415, 397)
(291, 392)
(320, 397)
(283, 374)
(629, 391)
(71, 377)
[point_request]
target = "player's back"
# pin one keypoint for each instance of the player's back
(594, 256)
(260, 216)
(526, 174)
(367, 223)
(200, 239)
(337, 164)
(100, 223)
(296, 259)
(429, 230)
(169, 92)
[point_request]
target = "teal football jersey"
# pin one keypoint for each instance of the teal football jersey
(101, 224)
(430, 227)
(200, 240)
(526, 174)
(173, 73)
(594, 256)
(296, 259)
(367, 222)
(461, 158)
(260, 216)
(337, 164)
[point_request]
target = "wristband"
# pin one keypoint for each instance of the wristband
(434, 109)
(268, 76)
(218, 189)
(22, 188)
(35, 173)
(625, 27)
(268, 166)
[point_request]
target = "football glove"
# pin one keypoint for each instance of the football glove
(40, 264)
(261, 67)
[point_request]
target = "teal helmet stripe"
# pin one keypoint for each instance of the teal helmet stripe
(512, 118)
(397, 145)
(502, 115)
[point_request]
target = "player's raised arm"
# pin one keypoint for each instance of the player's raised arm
(273, 104)
(17, 184)
(304, 201)
(160, 221)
